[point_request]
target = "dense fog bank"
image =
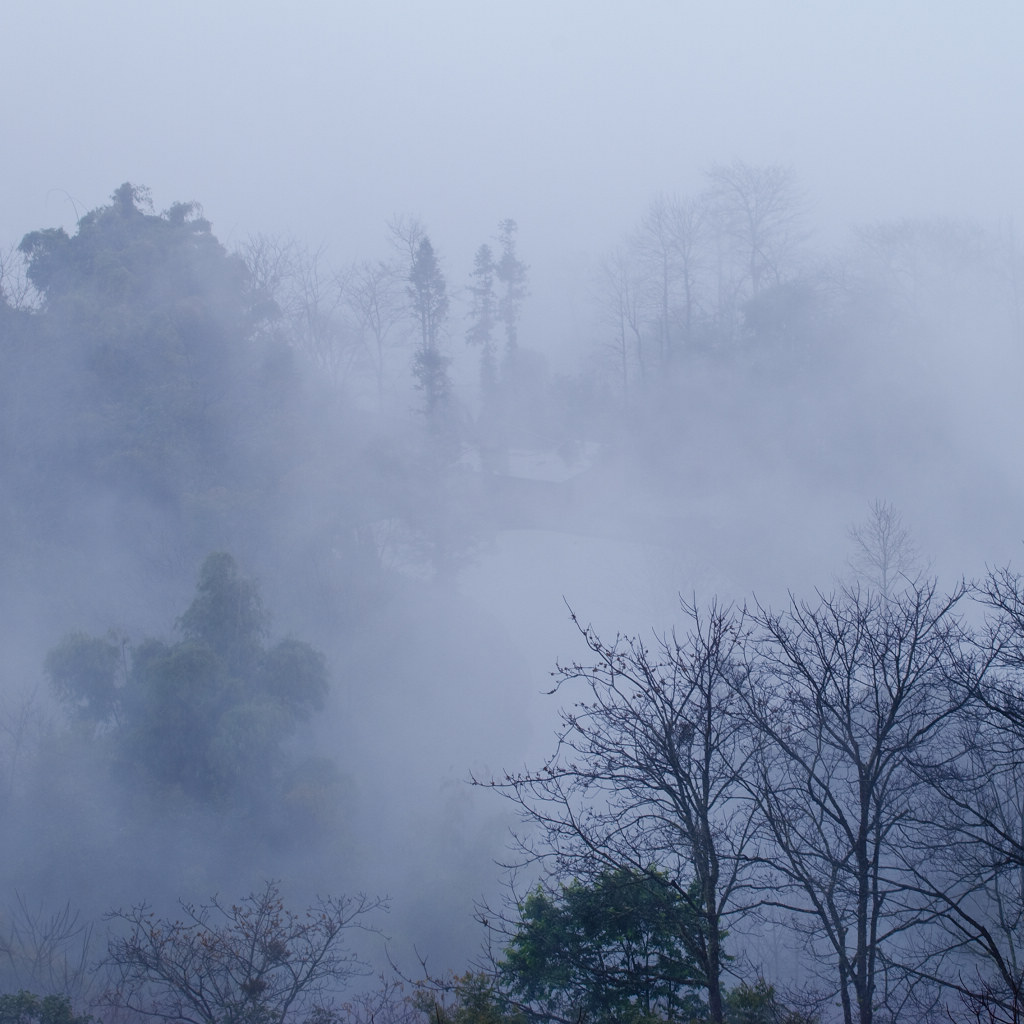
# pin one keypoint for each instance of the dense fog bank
(410, 502)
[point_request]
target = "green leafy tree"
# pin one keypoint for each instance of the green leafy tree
(471, 998)
(28, 1008)
(759, 1004)
(619, 948)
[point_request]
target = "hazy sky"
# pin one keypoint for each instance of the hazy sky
(322, 120)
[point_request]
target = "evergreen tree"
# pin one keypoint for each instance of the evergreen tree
(428, 298)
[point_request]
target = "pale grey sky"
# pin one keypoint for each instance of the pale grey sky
(323, 119)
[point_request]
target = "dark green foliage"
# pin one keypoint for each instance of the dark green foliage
(28, 1008)
(83, 671)
(146, 318)
(615, 949)
(208, 714)
(471, 998)
(759, 1004)
(227, 614)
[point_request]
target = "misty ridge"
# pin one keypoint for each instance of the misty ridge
(294, 543)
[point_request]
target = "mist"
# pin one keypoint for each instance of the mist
(217, 334)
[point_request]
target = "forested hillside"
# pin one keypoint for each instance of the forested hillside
(288, 539)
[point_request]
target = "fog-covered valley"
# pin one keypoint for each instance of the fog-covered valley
(336, 437)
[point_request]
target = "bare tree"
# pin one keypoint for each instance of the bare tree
(757, 221)
(884, 549)
(254, 961)
(619, 288)
(972, 830)
(648, 774)
(852, 695)
(970, 865)
(305, 302)
(761, 210)
(16, 290)
(669, 245)
(21, 723)
(317, 313)
(50, 953)
(375, 301)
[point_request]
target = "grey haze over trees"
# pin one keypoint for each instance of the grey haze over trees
(680, 284)
(884, 553)
(428, 306)
(207, 716)
(164, 398)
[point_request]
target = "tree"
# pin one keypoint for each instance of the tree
(374, 299)
(483, 318)
(147, 318)
(255, 962)
(971, 844)
(28, 1008)
(317, 308)
(620, 297)
(852, 696)
(623, 946)
(760, 209)
(757, 213)
(207, 714)
(884, 550)
(669, 247)
(471, 998)
(428, 303)
(52, 953)
(510, 272)
(759, 1004)
(650, 769)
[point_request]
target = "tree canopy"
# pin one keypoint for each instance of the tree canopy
(617, 948)
(209, 713)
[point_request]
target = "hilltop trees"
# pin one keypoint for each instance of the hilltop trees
(510, 272)
(483, 318)
(428, 305)
(149, 308)
(149, 393)
(698, 272)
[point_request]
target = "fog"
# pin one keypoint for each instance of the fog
(883, 364)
